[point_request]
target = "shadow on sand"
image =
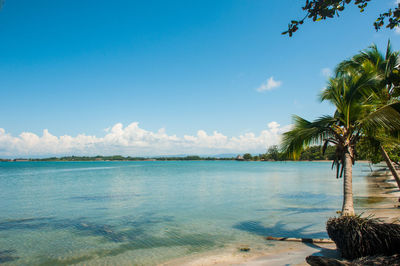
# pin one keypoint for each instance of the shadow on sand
(323, 251)
(280, 230)
(277, 230)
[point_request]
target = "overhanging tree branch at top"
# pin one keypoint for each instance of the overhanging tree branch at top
(322, 9)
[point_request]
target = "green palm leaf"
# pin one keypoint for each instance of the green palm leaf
(386, 117)
(305, 133)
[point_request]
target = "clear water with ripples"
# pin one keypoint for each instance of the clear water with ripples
(145, 213)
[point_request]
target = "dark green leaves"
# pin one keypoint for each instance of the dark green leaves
(392, 16)
(318, 10)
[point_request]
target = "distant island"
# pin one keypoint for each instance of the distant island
(313, 153)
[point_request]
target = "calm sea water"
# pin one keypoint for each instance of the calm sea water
(144, 213)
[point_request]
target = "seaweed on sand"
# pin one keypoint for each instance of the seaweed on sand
(364, 261)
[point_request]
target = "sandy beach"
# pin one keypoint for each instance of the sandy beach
(382, 191)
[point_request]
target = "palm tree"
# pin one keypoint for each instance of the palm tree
(352, 119)
(387, 91)
(386, 66)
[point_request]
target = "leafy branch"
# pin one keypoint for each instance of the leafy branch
(318, 10)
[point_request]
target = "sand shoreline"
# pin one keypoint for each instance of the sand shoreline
(380, 187)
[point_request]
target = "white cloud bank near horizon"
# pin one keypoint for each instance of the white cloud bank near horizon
(135, 141)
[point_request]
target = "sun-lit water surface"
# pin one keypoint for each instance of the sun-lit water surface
(144, 213)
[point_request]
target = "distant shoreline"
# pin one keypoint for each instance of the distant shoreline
(143, 159)
(273, 154)
(167, 160)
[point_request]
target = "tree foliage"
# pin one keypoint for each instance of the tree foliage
(318, 10)
(360, 113)
(312, 153)
(247, 156)
(368, 149)
(386, 93)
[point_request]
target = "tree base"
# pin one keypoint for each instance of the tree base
(357, 237)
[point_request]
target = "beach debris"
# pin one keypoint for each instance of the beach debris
(305, 240)
(324, 261)
(357, 236)
(373, 260)
(244, 248)
(377, 260)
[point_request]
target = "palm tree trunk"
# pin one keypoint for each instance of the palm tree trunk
(348, 208)
(390, 165)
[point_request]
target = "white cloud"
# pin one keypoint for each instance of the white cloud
(269, 85)
(326, 72)
(135, 141)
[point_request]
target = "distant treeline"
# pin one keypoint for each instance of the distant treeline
(313, 153)
(119, 158)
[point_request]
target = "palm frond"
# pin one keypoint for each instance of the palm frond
(386, 117)
(305, 133)
(388, 139)
(388, 50)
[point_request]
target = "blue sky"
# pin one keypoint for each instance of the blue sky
(80, 67)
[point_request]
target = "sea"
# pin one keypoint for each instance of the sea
(151, 212)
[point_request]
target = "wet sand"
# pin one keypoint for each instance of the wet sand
(382, 188)
(286, 253)
(382, 195)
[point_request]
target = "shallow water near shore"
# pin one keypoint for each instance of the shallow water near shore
(146, 213)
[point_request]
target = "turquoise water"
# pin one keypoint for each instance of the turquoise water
(144, 213)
